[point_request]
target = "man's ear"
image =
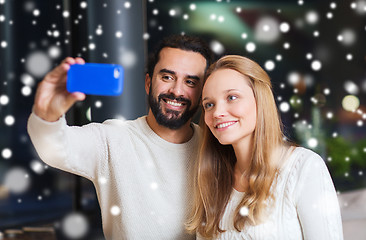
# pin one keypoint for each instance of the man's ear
(147, 83)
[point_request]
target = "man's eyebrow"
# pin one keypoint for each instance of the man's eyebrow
(164, 70)
(194, 77)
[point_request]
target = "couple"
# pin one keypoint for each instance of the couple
(247, 182)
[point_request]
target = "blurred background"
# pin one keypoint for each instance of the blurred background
(314, 52)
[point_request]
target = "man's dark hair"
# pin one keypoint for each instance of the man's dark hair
(183, 42)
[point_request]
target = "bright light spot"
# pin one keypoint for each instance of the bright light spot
(329, 15)
(312, 17)
(284, 27)
(293, 78)
(316, 34)
(37, 167)
(27, 79)
(221, 19)
(185, 17)
(351, 87)
(238, 9)
(359, 123)
(9, 120)
(316, 65)
(119, 34)
(335, 134)
(99, 30)
(98, 104)
(75, 225)
(269, 65)
(244, 211)
(17, 180)
(2, 1)
(4, 44)
(154, 186)
(56, 33)
(54, 52)
(36, 12)
(278, 57)
(286, 45)
(4, 100)
(2, 18)
(326, 91)
(217, 47)
(102, 180)
(312, 142)
(192, 7)
(340, 38)
(250, 47)
(309, 56)
(128, 58)
(350, 103)
(127, 4)
(349, 57)
(92, 46)
(172, 12)
(267, 30)
(155, 11)
(333, 5)
(26, 91)
(115, 210)
(284, 107)
(38, 64)
(300, 2)
(146, 36)
(329, 115)
(83, 4)
(244, 36)
(66, 14)
(6, 153)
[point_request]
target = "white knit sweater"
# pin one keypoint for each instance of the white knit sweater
(306, 205)
(133, 170)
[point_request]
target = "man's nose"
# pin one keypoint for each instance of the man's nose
(177, 88)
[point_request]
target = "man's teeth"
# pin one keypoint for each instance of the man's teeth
(222, 125)
(175, 104)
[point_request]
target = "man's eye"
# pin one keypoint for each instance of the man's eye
(191, 82)
(167, 77)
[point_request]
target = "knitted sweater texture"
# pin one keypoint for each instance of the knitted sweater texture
(143, 182)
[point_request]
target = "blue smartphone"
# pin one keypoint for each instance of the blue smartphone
(95, 79)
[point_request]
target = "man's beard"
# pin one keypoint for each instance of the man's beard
(171, 119)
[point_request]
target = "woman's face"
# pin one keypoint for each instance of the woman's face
(229, 107)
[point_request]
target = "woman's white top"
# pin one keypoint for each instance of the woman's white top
(306, 204)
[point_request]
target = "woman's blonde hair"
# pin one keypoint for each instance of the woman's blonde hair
(214, 169)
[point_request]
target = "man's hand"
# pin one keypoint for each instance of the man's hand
(52, 100)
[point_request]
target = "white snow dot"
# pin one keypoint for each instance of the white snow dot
(37, 166)
(269, 65)
(115, 210)
(98, 104)
(119, 34)
(83, 4)
(250, 47)
(4, 44)
(26, 91)
(2, 18)
(316, 65)
(127, 4)
(192, 6)
(6, 153)
(9, 120)
(172, 12)
(16, 180)
(75, 225)
(66, 14)
(312, 17)
(36, 12)
(312, 142)
(244, 211)
(284, 27)
(154, 186)
(4, 99)
(92, 46)
(284, 107)
(217, 47)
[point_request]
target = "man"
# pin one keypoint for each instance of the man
(141, 169)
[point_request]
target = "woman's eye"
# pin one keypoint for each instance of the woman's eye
(207, 105)
(231, 98)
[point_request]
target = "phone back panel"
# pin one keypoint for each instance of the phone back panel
(95, 79)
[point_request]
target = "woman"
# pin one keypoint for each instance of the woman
(250, 182)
